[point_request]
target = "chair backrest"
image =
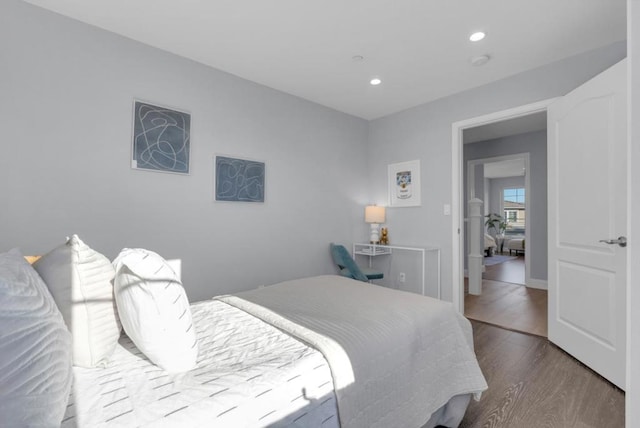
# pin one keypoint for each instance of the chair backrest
(343, 259)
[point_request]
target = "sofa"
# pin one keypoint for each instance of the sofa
(515, 245)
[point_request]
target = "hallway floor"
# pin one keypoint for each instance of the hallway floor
(510, 271)
(506, 302)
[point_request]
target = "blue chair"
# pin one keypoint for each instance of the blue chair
(348, 266)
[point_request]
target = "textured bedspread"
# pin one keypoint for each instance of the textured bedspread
(249, 374)
(395, 357)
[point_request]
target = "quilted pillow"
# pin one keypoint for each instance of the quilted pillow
(35, 349)
(79, 279)
(154, 309)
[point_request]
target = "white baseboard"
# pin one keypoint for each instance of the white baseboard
(540, 284)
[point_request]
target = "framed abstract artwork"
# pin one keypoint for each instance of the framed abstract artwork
(238, 180)
(404, 184)
(161, 138)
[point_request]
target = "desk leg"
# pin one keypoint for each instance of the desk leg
(439, 286)
(423, 272)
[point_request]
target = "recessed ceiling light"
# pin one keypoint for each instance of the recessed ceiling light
(357, 58)
(476, 37)
(375, 81)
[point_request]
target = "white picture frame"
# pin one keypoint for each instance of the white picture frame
(404, 184)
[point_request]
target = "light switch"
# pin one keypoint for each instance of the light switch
(447, 209)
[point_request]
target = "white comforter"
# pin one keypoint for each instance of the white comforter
(489, 242)
(395, 357)
(248, 374)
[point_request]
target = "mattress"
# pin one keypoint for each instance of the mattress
(248, 374)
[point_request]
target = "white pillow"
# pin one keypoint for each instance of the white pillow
(35, 349)
(154, 309)
(79, 279)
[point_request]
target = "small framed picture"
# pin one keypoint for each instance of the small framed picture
(161, 138)
(404, 184)
(238, 180)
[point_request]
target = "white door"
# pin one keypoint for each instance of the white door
(587, 172)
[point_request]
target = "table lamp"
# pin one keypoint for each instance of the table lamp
(374, 215)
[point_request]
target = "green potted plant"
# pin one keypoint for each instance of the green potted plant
(496, 222)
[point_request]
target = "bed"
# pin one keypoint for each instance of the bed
(248, 373)
(325, 351)
(490, 244)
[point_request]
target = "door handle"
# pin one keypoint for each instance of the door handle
(622, 241)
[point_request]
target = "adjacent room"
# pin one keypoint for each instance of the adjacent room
(507, 169)
(305, 214)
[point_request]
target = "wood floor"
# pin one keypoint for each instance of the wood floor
(532, 383)
(510, 306)
(511, 271)
(506, 303)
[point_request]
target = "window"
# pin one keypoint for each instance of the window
(514, 195)
(514, 209)
(511, 215)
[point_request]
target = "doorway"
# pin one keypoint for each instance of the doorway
(499, 171)
(502, 141)
(503, 184)
(457, 199)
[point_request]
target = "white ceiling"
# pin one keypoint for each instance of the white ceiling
(419, 48)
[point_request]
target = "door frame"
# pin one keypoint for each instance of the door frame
(525, 156)
(457, 186)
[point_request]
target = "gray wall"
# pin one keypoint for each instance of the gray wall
(66, 107)
(66, 99)
(424, 132)
(534, 143)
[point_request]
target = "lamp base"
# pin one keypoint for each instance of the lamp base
(375, 234)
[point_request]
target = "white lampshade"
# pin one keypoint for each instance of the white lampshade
(374, 214)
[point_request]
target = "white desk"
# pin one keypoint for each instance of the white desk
(374, 250)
